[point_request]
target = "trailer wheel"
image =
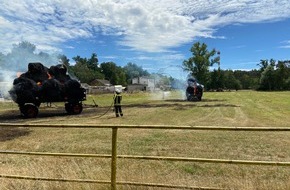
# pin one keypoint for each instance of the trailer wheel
(72, 108)
(77, 108)
(29, 110)
(68, 108)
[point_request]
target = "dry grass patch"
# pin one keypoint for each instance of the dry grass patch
(237, 109)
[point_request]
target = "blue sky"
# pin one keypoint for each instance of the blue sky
(154, 34)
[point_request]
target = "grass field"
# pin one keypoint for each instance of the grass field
(233, 109)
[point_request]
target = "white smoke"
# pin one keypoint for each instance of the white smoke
(6, 82)
(179, 85)
(16, 62)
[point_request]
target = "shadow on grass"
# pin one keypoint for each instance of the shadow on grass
(16, 117)
(218, 105)
(203, 100)
(48, 112)
(8, 133)
(180, 104)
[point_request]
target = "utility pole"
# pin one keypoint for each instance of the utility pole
(219, 70)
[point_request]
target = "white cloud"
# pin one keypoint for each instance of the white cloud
(285, 47)
(161, 58)
(286, 44)
(238, 47)
(150, 25)
(110, 57)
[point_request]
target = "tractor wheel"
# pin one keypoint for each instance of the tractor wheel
(199, 97)
(191, 98)
(29, 110)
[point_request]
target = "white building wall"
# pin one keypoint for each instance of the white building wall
(149, 83)
(135, 80)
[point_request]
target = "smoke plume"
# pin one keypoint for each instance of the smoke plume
(16, 62)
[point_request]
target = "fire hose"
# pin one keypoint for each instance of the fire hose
(105, 111)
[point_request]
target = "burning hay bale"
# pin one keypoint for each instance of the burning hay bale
(40, 84)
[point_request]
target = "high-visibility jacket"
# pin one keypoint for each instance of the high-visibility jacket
(117, 100)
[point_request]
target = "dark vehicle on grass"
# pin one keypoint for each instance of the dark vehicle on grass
(41, 84)
(194, 90)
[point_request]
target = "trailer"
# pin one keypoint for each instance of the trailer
(45, 85)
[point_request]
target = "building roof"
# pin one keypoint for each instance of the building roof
(100, 82)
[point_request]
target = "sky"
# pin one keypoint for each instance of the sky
(154, 34)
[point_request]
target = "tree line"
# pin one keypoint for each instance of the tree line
(272, 75)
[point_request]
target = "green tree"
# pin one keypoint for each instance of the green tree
(198, 65)
(64, 60)
(267, 80)
(249, 79)
(84, 71)
(132, 71)
(264, 63)
(113, 73)
(281, 75)
(287, 83)
(274, 76)
(216, 80)
(93, 63)
(246, 82)
(231, 82)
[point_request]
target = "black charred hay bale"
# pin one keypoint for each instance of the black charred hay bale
(74, 91)
(51, 91)
(24, 90)
(36, 68)
(36, 72)
(59, 73)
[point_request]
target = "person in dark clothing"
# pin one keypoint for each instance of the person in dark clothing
(117, 103)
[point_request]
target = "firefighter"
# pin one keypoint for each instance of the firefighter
(117, 103)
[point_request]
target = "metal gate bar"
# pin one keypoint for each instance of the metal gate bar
(114, 155)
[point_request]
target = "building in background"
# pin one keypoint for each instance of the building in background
(98, 86)
(142, 84)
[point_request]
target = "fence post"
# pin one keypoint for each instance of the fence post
(114, 158)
